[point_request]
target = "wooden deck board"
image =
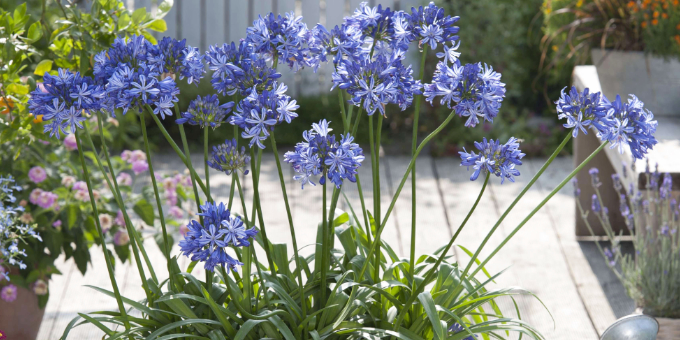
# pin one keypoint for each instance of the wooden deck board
(537, 262)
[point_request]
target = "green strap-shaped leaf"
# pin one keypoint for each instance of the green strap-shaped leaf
(431, 310)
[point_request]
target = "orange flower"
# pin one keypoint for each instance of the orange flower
(656, 14)
(677, 27)
(631, 4)
(655, 22)
(677, 39)
(664, 15)
(644, 24)
(5, 105)
(38, 119)
(675, 2)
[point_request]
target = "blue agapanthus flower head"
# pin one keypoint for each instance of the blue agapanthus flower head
(377, 82)
(134, 72)
(457, 328)
(342, 42)
(177, 57)
(473, 90)
(583, 109)
(261, 111)
(205, 112)
(630, 124)
(428, 25)
(239, 69)
(64, 99)
(372, 21)
(227, 157)
(283, 36)
(494, 157)
(321, 155)
(208, 242)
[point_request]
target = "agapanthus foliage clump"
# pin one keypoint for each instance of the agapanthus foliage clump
(228, 158)
(13, 232)
(64, 100)
(206, 112)
(652, 274)
(321, 155)
(621, 124)
(473, 90)
(209, 241)
(494, 157)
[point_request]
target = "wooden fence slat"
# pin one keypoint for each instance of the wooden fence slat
(215, 21)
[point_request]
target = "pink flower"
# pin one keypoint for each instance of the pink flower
(139, 166)
(9, 293)
(137, 155)
(121, 238)
(35, 195)
(176, 212)
(80, 185)
(68, 181)
(171, 198)
(169, 184)
(126, 155)
(46, 199)
(23, 203)
(106, 222)
(183, 229)
(82, 195)
(119, 220)
(124, 178)
(40, 287)
(37, 174)
(56, 224)
(70, 142)
(26, 218)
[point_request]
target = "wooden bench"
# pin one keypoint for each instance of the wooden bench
(666, 154)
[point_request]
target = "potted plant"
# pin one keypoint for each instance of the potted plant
(53, 197)
(651, 274)
(351, 284)
(634, 45)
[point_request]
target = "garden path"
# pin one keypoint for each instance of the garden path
(544, 257)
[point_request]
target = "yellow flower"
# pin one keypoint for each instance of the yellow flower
(579, 3)
(38, 119)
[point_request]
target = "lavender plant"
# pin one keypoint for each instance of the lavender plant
(353, 285)
(650, 275)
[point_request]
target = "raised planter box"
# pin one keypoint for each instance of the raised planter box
(654, 80)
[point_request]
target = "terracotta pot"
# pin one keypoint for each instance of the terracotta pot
(21, 318)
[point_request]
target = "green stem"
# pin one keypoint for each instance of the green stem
(414, 145)
(121, 204)
(159, 205)
(401, 186)
(512, 205)
(185, 145)
(430, 275)
(107, 255)
(233, 178)
(205, 161)
(290, 221)
(258, 208)
(540, 205)
(324, 247)
(179, 153)
(343, 113)
(378, 194)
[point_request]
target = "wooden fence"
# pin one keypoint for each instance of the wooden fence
(207, 22)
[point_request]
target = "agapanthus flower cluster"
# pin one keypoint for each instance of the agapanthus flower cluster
(341, 42)
(260, 112)
(64, 100)
(473, 90)
(177, 57)
(281, 36)
(494, 157)
(457, 328)
(206, 111)
(621, 124)
(321, 155)
(428, 25)
(135, 73)
(227, 157)
(239, 69)
(12, 231)
(208, 242)
(377, 82)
